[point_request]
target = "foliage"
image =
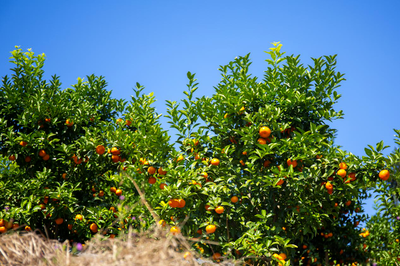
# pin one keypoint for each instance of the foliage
(254, 167)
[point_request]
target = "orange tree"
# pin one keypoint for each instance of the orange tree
(62, 150)
(258, 170)
(382, 231)
(254, 168)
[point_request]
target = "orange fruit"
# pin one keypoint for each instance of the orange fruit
(343, 166)
(266, 163)
(244, 153)
(175, 230)
(152, 180)
(162, 223)
(115, 151)
(115, 158)
(304, 246)
(384, 175)
(210, 228)
(118, 192)
(173, 203)
(15, 226)
(262, 141)
(42, 153)
(3, 229)
(219, 209)
(23, 143)
(79, 217)
(290, 162)
(12, 157)
(352, 176)
(234, 199)
(28, 159)
(199, 231)
(348, 203)
(101, 193)
(163, 185)
(100, 149)
(128, 122)
(112, 236)
(93, 227)
(151, 170)
(181, 203)
(69, 123)
(264, 132)
(180, 158)
(215, 162)
(47, 120)
(280, 182)
(283, 256)
(161, 171)
(69, 226)
(59, 221)
(113, 189)
(28, 228)
(341, 172)
(2, 222)
(46, 157)
(119, 120)
(207, 207)
(216, 256)
(328, 186)
(242, 163)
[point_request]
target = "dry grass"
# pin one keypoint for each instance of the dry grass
(150, 248)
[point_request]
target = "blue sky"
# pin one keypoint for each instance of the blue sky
(155, 43)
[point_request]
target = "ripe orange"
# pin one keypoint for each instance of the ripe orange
(59, 221)
(128, 122)
(207, 207)
(93, 227)
(175, 230)
(115, 158)
(343, 166)
(69, 123)
(341, 172)
(219, 209)
(348, 203)
(46, 157)
(3, 229)
(151, 170)
(283, 256)
(100, 149)
(101, 193)
(119, 120)
(242, 163)
(199, 231)
(113, 189)
(328, 186)
(264, 132)
(210, 228)
(280, 182)
(42, 153)
(216, 256)
(152, 180)
(290, 162)
(162, 223)
(161, 171)
(173, 203)
(262, 141)
(215, 162)
(28, 228)
(28, 159)
(12, 157)
(384, 175)
(180, 158)
(23, 143)
(266, 163)
(115, 151)
(15, 226)
(181, 203)
(118, 192)
(244, 153)
(352, 176)
(234, 199)
(163, 185)
(79, 217)
(69, 226)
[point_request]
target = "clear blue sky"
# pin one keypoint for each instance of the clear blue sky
(156, 42)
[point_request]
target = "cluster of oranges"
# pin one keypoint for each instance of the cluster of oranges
(177, 203)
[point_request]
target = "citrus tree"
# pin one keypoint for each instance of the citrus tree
(254, 172)
(63, 149)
